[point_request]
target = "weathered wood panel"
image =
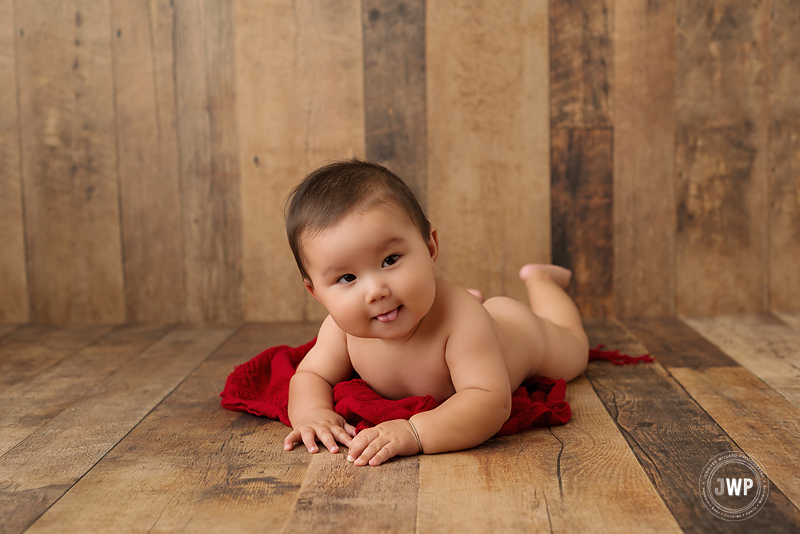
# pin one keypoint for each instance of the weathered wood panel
(721, 157)
(394, 90)
(69, 162)
(581, 63)
(784, 156)
(148, 160)
(644, 150)
(14, 304)
(37, 472)
(488, 162)
(762, 344)
(553, 483)
(790, 318)
(28, 405)
(300, 80)
(236, 478)
(582, 215)
(672, 436)
(208, 160)
(764, 424)
(31, 349)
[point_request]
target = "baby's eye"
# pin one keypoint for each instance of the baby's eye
(391, 260)
(346, 279)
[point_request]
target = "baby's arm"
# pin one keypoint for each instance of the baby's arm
(311, 392)
(480, 406)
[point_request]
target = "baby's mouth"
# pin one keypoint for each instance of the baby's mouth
(388, 316)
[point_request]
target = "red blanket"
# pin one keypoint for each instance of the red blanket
(261, 387)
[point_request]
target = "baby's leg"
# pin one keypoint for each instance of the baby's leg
(567, 350)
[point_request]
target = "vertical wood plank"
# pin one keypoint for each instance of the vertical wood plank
(784, 156)
(14, 304)
(488, 162)
(721, 157)
(148, 159)
(581, 63)
(300, 86)
(191, 465)
(644, 150)
(69, 161)
(38, 471)
(394, 90)
(208, 160)
(582, 217)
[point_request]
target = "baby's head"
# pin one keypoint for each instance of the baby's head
(336, 190)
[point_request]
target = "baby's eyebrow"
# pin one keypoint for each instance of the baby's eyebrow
(386, 245)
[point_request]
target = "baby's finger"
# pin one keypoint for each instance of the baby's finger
(373, 453)
(328, 440)
(291, 439)
(358, 444)
(350, 429)
(310, 440)
(342, 436)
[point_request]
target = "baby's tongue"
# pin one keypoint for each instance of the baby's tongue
(386, 317)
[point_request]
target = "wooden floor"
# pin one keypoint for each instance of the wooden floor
(119, 429)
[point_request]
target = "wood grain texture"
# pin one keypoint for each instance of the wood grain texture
(488, 161)
(672, 437)
(764, 424)
(69, 162)
(790, 318)
(5, 329)
(581, 63)
(552, 484)
(762, 344)
(300, 81)
(148, 160)
(14, 304)
(208, 160)
(644, 147)
(337, 496)
(582, 215)
(191, 465)
(721, 157)
(784, 156)
(28, 405)
(394, 90)
(78, 438)
(31, 349)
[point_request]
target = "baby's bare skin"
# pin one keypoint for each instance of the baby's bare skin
(407, 332)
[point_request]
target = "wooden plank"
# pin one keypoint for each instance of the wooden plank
(488, 139)
(784, 156)
(69, 162)
(236, 478)
(337, 496)
(37, 472)
(581, 63)
(14, 304)
(300, 102)
(5, 329)
(208, 160)
(721, 157)
(27, 406)
(31, 349)
(672, 437)
(790, 318)
(582, 215)
(762, 344)
(394, 90)
(544, 480)
(764, 424)
(148, 160)
(644, 152)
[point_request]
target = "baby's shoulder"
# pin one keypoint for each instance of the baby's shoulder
(458, 307)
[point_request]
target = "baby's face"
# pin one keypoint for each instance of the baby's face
(373, 272)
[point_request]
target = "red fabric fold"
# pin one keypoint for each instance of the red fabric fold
(261, 387)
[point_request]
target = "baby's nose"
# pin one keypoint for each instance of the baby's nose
(377, 291)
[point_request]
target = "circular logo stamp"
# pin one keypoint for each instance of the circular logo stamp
(733, 486)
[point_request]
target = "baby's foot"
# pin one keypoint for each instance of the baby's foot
(559, 275)
(478, 294)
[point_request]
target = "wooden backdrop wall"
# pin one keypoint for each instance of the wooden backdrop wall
(146, 147)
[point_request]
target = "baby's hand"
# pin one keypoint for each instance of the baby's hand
(374, 446)
(325, 425)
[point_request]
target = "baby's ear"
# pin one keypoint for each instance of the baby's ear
(310, 286)
(433, 244)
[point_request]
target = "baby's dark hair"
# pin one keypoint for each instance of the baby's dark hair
(337, 189)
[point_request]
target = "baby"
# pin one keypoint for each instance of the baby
(368, 254)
